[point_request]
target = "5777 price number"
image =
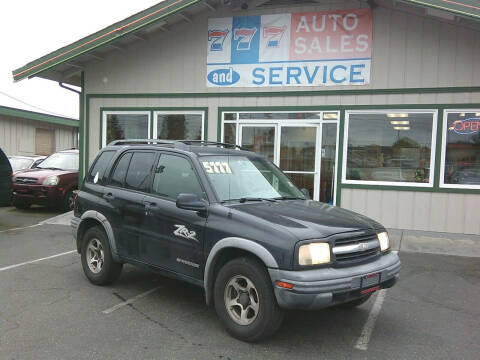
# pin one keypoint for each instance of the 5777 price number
(216, 167)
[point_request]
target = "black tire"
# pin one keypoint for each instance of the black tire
(269, 315)
(110, 270)
(356, 302)
(20, 204)
(68, 200)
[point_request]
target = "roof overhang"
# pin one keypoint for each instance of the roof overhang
(464, 8)
(31, 115)
(66, 64)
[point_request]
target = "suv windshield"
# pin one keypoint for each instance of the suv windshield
(245, 177)
(20, 163)
(61, 161)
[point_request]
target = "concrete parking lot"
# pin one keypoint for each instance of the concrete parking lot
(50, 311)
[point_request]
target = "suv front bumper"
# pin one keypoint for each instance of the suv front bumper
(319, 288)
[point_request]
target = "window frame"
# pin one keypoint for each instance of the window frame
(177, 112)
(105, 114)
(444, 150)
(433, 143)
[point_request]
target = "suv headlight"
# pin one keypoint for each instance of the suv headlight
(314, 254)
(384, 240)
(51, 180)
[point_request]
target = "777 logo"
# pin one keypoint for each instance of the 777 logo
(244, 36)
(274, 34)
(217, 38)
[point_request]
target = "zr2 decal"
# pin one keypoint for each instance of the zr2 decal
(244, 36)
(182, 231)
(217, 38)
(274, 34)
(216, 167)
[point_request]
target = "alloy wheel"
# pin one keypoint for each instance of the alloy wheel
(95, 256)
(241, 300)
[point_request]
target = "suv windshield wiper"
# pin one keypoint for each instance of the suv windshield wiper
(49, 168)
(255, 199)
(289, 198)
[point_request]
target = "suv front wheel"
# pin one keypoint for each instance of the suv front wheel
(97, 262)
(244, 300)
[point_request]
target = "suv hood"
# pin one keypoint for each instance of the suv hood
(307, 219)
(41, 174)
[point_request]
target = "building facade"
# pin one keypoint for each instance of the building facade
(373, 106)
(25, 132)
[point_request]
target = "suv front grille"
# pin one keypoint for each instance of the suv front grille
(353, 249)
(25, 180)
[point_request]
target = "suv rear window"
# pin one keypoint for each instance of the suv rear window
(138, 174)
(98, 169)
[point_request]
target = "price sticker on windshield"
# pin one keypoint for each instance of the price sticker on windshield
(216, 167)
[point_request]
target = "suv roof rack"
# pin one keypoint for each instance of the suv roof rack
(174, 143)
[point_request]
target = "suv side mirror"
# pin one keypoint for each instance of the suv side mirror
(306, 193)
(190, 202)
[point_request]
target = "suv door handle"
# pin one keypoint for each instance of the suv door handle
(150, 205)
(108, 196)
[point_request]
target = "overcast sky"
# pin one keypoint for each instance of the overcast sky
(30, 29)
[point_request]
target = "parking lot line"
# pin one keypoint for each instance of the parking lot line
(364, 339)
(36, 260)
(21, 228)
(129, 301)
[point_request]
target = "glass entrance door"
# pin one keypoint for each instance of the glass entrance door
(302, 144)
(298, 153)
(260, 139)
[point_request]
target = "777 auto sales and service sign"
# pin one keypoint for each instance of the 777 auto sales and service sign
(302, 49)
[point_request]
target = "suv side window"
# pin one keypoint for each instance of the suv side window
(138, 174)
(118, 176)
(174, 175)
(98, 169)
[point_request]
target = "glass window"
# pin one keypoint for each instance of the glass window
(126, 126)
(389, 147)
(229, 133)
(174, 175)
(98, 169)
(229, 116)
(120, 171)
(179, 126)
(138, 174)
(462, 152)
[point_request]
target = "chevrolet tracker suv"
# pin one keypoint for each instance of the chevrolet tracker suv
(229, 221)
(50, 183)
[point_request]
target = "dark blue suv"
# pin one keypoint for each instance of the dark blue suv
(229, 221)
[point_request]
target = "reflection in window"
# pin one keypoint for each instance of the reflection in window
(230, 133)
(389, 147)
(462, 155)
(179, 126)
(173, 176)
(126, 126)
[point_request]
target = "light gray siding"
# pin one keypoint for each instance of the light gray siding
(443, 212)
(409, 50)
(17, 135)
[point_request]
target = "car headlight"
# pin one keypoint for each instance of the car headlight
(314, 254)
(384, 240)
(51, 180)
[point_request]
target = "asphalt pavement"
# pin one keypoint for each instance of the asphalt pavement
(50, 311)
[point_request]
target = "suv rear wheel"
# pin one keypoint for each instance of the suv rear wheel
(244, 300)
(97, 262)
